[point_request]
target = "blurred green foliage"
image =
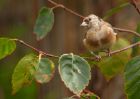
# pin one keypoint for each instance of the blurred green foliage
(6, 70)
(135, 50)
(132, 78)
(111, 66)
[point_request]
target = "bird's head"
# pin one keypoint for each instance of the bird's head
(92, 21)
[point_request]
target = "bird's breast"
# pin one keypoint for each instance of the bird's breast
(99, 40)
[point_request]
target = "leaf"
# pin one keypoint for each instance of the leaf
(132, 78)
(24, 71)
(75, 72)
(114, 65)
(7, 46)
(90, 96)
(135, 50)
(45, 70)
(115, 10)
(44, 22)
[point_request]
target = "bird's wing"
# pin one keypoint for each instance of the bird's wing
(110, 27)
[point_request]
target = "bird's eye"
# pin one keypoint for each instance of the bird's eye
(86, 20)
(89, 19)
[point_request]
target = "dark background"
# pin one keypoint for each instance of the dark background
(17, 19)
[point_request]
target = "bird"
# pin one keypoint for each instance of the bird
(99, 36)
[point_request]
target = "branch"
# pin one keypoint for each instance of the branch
(88, 58)
(123, 49)
(69, 10)
(35, 49)
(128, 31)
(134, 3)
(114, 52)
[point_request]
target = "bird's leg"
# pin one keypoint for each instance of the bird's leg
(98, 57)
(108, 52)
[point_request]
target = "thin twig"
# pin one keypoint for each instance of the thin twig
(35, 49)
(114, 52)
(69, 10)
(88, 58)
(128, 31)
(123, 49)
(57, 6)
(134, 3)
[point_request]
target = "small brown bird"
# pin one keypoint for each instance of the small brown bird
(100, 35)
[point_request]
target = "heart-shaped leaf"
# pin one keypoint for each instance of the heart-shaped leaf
(44, 22)
(7, 46)
(132, 78)
(45, 70)
(75, 72)
(24, 72)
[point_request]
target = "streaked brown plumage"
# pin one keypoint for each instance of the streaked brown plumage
(99, 36)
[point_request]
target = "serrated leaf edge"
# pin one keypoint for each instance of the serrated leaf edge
(78, 94)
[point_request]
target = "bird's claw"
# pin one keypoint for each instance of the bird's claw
(108, 52)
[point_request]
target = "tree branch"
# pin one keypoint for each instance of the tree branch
(35, 49)
(123, 49)
(69, 10)
(134, 3)
(128, 31)
(114, 52)
(88, 58)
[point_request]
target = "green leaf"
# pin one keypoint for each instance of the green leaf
(115, 10)
(114, 65)
(24, 72)
(75, 72)
(44, 22)
(89, 96)
(45, 70)
(135, 50)
(7, 46)
(132, 78)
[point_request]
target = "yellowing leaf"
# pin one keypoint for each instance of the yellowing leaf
(45, 70)
(24, 71)
(7, 46)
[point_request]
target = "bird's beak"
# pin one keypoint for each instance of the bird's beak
(83, 24)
